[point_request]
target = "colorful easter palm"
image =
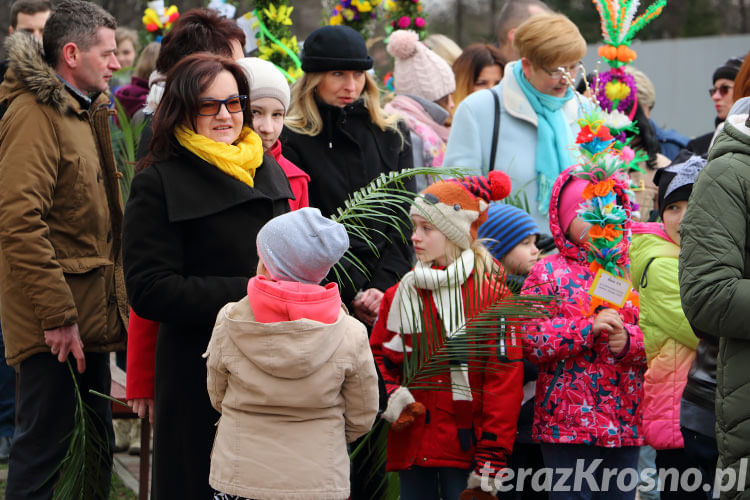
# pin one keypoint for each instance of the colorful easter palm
(405, 15)
(360, 15)
(275, 40)
(604, 163)
(615, 89)
(158, 18)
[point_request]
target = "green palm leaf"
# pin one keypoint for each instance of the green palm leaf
(380, 211)
(81, 473)
(484, 337)
(126, 135)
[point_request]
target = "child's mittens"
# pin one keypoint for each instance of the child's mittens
(402, 409)
(474, 490)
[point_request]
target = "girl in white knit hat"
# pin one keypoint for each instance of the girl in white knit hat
(269, 101)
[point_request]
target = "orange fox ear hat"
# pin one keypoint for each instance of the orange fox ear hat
(457, 207)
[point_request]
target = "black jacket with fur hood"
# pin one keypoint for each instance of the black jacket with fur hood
(61, 211)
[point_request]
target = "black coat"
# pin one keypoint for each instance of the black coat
(189, 248)
(347, 155)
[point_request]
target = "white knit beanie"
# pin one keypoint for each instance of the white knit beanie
(418, 70)
(265, 80)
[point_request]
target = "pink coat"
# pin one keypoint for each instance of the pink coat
(584, 394)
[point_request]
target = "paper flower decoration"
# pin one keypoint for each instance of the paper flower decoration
(158, 19)
(405, 14)
(276, 43)
(360, 15)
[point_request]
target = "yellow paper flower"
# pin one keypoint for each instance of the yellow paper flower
(348, 14)
(265, 51)
(363, 6)
(616, 90)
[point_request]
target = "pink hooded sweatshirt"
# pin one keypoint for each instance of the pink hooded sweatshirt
(584, 394)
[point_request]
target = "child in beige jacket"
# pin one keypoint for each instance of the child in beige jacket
(291, 373)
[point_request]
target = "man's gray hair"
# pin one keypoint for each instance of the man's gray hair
(512, 15)
(74, 21)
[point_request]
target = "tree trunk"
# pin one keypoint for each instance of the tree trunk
(492, 17)
(459, 22)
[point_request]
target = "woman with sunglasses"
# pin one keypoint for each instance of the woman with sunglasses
(721, 94)
(189, 247)
(533, 110)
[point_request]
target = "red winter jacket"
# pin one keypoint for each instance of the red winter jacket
(298, 179)
(139, 381)
(432, 441)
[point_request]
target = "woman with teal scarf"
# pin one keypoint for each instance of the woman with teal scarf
(538, 114)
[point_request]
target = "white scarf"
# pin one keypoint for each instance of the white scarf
(156, 83)
(405, 315)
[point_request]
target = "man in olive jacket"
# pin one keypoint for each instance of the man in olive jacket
(61, 285)
(715, 289)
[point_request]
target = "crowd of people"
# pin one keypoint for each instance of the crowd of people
(279, 332)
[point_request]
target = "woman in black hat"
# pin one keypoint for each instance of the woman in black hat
(339, 135)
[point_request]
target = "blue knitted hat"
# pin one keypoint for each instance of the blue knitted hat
(506, 227)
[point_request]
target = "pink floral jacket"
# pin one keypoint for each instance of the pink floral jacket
(584, 394)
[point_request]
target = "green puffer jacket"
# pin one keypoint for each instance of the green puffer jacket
(715, 284)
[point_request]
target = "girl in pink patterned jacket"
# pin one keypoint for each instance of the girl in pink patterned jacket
(590, 366)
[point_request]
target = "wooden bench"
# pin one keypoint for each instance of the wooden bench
(119, 411)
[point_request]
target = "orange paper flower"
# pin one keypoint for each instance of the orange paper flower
(607, 232)
(602, 188)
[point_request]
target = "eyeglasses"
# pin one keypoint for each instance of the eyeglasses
(561, 70)
(721, 89)
(211, 107)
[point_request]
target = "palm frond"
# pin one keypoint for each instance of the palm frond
(370, 454)
(380, 210)
(81, 474)
(519, 199)
(484, 337)
(125, 138)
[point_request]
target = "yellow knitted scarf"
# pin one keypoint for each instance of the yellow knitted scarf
(238, 160)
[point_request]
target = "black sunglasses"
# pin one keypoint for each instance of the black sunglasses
(211, 107)
(722, 89)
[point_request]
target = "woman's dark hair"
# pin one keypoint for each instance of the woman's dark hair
(198, 30)
(646, 139)
(179, 105)
(470, 64)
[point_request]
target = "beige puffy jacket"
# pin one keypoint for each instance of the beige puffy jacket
(292, 395)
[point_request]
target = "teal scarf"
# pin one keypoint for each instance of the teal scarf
(553, 137)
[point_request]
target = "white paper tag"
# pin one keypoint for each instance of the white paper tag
(248, 24)
(610, 288)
